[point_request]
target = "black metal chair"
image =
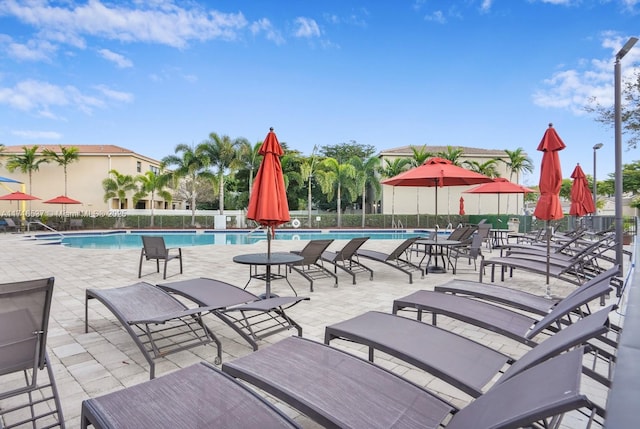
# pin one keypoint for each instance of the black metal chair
(153, 248)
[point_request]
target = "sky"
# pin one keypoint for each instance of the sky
(150, 74)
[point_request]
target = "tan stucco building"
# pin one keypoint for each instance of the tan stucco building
(412, 200)
(84, 178)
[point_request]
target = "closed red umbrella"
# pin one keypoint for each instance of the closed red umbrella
(461, 211)
(548, 206)
(268, 202)
(581, 196)
(500, 185)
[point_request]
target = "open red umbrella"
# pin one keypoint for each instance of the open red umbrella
(268, 202)
(18, 196)
(581, 196)
(437, 172)
(461, 211)
(499, 185)
(549, 206)
(62, 199)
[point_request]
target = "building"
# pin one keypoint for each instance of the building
(84, 179)
(412, 200)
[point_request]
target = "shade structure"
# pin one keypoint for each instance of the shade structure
(8, 180)
(62, 199)
(548, 207)
(499, 185)
(581, 196)
(437, 172)
(461, 209)
(18, 196)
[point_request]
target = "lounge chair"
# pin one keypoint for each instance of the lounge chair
(10, 225)
(250, 316)
(465, 364)
(512, 324)
(347, 259)
(311, 267)
(197, 396)
(75, 223)
(157, 322)
(397, 258)
(153, 248)
(28, 391)
(339, 390)
(520, 299)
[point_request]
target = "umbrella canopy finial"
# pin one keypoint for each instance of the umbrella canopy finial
(271, 129)
(550, 124)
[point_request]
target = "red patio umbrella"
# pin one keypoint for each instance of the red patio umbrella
(461, 211)
(500, 185)
(268, 202)
(548, 206)
(437, 172)
(581, 196)
(18, 196)
(62, 199)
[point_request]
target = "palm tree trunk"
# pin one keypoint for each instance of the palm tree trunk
(309, 203)
(338, 207)
(221, 193)
(364, 205)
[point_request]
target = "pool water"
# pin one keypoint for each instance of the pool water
(130, 240)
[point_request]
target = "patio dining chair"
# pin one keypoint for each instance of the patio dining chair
(154, 248)
(28, 392)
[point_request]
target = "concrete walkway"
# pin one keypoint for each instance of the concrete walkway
(105, 359)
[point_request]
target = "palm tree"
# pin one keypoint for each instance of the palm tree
(366, 178)
(66, 156)
(189, 166)
(392, 169)
(27, 163)
(152, 183)
(219, 152)
(420, 155)
(488, 168)
(336, 177)
(118, 186)
(307, 169)
(518, 162)
(249, 159)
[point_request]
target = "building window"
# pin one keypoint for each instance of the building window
(154, 169)
(139, 167)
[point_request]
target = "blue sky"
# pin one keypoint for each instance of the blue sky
(149, 74)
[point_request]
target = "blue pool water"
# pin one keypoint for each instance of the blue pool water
(129, 240)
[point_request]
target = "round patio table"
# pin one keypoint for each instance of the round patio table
(254, 260)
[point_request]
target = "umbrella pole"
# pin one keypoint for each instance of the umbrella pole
(548, 291)
(268, 267)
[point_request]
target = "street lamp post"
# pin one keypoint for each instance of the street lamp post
(618, 142)
(595, 186)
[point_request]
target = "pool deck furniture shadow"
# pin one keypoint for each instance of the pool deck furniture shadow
(197, 396)
(397, 258)
(157, 322)
(153, 248)
(32, 398)
(250, 316)
(347, 258)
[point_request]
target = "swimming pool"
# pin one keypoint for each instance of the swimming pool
(131, 239)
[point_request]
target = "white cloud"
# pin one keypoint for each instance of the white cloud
(115, 95)
(572, 89)
(436, 16)
(37, 135)
(33, 50)
(264, 26)
(120, 60)
(306, 27)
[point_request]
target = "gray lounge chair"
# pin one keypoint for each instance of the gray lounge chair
(28, 391)
(397, 259)
(197, 396)
(339, 390)
(461, 362)
(347, 259)
(10, 225)
(153, 248)
(157, 322)
(311, 267)
(250, 316)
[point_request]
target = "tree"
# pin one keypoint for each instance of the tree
(118, 186)
(517, 163)
(66, 156)
(249, 159)
(391, 169)
(153, 184)
(189, 167)
(488, 168)
(218, 152)
(365, 178)
(452, 154)
(27, 163)
(343, 152)
(629, 113)
(335, 177)
(307, 170)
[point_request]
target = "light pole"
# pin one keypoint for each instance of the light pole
(618, 141)
(595, 186)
